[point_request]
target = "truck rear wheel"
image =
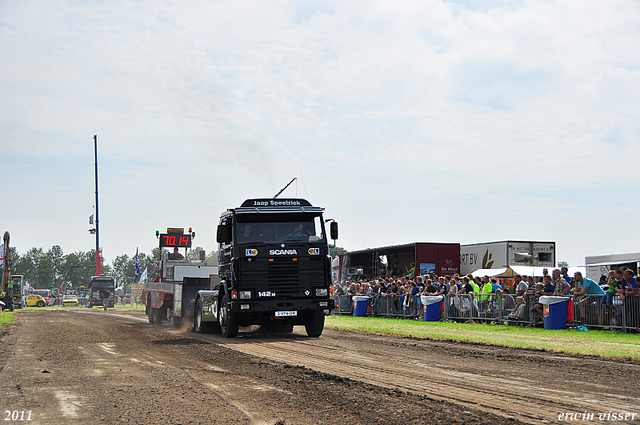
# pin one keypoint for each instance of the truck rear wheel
(152, 315)
(315, 325)
(161, 314)
(229, 322)
(177, 322)
(200, 326)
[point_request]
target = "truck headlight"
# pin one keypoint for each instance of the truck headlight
(323, 304)
(245, 295)
(322, 292)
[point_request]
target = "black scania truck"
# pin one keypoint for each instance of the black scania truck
(274, 268)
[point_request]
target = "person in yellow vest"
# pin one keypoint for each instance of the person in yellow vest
(476, 288)
(487, 288)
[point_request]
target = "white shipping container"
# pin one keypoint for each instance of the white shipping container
(492, 255)
(495, 255)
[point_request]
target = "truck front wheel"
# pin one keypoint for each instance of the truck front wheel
(229, 322)
(315, 324)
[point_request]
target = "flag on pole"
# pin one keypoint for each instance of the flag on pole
(143, 276)
(137, 266)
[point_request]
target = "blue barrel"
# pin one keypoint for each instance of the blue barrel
(360, 305)
(432, 307)
(555, 315)
(432, 312)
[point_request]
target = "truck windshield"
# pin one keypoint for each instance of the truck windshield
(279, 228)
(102, 284)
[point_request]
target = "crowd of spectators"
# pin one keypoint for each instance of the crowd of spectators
(558, 284)
(619, 287)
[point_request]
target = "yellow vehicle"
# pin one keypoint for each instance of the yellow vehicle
(70, 300)
(34, 300)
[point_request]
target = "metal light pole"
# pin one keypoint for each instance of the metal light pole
(98, 255)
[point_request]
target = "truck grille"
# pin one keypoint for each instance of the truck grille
(283, 273)
(283, 276)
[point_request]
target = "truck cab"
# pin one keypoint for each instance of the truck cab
(274, 268)
(99, 284)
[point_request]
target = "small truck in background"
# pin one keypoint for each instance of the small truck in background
(97, 286)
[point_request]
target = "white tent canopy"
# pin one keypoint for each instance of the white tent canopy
(501, 272)
(509, 272)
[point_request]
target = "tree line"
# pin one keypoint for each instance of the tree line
(44, 269)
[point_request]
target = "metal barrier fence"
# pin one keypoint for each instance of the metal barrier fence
(593, 311)
(343, 305)
(601, 311)
(492, 308)
(401, 306)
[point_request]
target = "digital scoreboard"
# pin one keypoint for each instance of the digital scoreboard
(175, 241)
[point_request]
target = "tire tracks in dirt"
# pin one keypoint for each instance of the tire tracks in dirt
(225, 389)
(529, 399)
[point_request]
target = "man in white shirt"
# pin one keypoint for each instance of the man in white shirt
(520, 285)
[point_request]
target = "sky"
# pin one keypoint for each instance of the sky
(429, 121)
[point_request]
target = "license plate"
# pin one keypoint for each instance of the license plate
(286, 313)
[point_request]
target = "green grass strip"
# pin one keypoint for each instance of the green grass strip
(7, 317)
(595, 343)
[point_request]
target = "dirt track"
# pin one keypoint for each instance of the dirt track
(88, 366)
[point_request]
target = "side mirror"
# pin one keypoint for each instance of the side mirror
(221, 233)
(334, 230)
